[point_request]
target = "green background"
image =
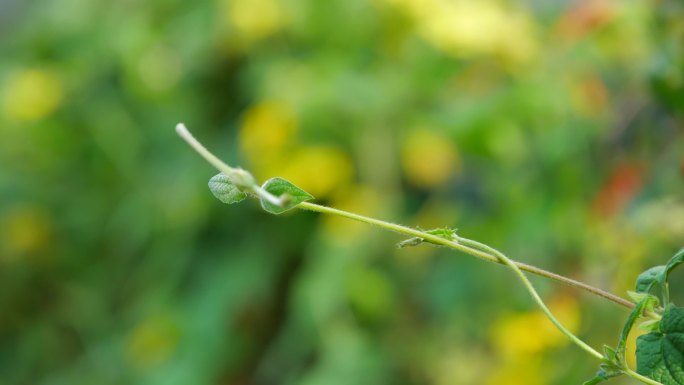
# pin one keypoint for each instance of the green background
(550, 130)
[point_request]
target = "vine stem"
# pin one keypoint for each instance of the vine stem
(535, 295)
(245, 182)
(184, 133)
(240, 175)
(490, 254)
(241, 178)
(467, 246)
(463, 246)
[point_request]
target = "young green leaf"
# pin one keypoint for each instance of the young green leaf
(675, 261)
(445, 233)
(647, 303)
(610, 354)
(224, 189)
(660, 355)
(637, 297)
(649, 278)
(282, 188)
(650, 325)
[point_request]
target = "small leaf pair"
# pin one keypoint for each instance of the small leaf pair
(289, 195)
(614, 361)
(660, 353)
(224, 189)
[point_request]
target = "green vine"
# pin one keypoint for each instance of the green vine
(660, 353)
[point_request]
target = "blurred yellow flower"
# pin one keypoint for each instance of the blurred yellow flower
(266, 130)
(530, 333)
(254, 19)
(32, 94)
(428, 158)
(267, 138)
(472, 28)
(320, 170)
(152, 342)
(519, 338)
(26, 230)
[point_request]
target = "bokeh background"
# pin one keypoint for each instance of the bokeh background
(553, 130)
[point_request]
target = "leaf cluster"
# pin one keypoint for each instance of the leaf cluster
(660, 353)
(225, 190)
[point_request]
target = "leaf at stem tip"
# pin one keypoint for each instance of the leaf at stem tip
(660, 354)
(280, 187)
(224, 189)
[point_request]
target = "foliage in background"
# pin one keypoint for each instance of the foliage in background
(555, 134)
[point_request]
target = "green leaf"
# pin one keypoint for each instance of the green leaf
(649, 302)
(659, 275)
(610, 354)
(660, 355)
(280, 187)
(649, 278)
(651, 325)
(675, 261)
(446, 233)
(636, 297)
(224, 189)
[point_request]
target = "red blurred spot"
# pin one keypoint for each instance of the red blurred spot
(584, 17)
(619, 190)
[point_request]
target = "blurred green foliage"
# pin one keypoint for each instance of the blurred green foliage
(551, 130)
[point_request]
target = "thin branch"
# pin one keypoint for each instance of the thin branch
(467, 246)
